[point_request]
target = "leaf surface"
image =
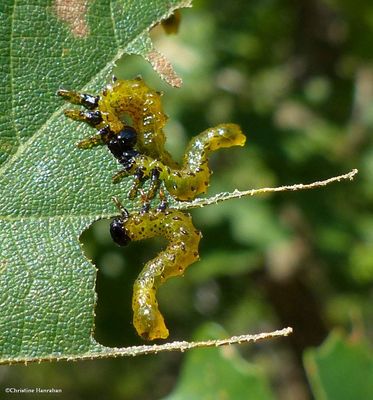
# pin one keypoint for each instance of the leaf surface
(341, 369)
(50, 190)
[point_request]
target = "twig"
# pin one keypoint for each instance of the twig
(154, 349)
(237, 194)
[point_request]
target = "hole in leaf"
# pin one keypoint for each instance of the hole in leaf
(117, 269)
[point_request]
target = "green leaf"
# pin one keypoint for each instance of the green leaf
(341, 369)
(219, 373)
(50, 190)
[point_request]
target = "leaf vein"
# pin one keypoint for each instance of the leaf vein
(23, 146)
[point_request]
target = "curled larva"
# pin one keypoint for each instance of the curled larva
(181, 251)
(139, 148)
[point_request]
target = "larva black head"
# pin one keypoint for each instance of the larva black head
(127, 137)
(121, 146)
(118, 232)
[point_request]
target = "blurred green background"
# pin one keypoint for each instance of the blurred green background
(297, 75)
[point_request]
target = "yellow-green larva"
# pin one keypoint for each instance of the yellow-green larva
(181, 251)
(140, 148)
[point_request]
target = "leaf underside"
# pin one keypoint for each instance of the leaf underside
(51, 191)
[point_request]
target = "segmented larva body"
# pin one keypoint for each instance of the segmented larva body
(139, 148)
(192, 178)
(181, 251)
(144, 107)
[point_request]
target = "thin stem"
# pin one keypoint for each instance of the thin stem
(237, 194)
(156, 348)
